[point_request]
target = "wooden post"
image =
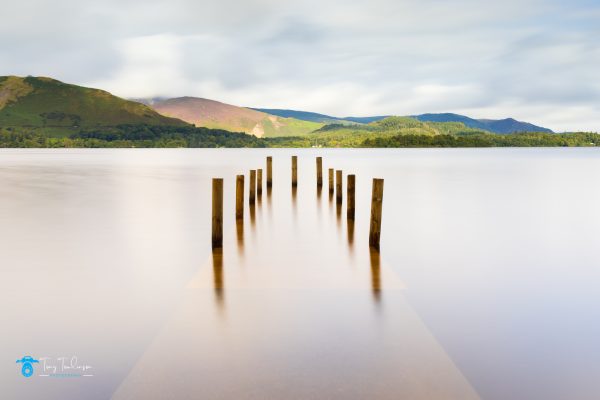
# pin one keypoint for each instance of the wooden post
(350, 201)
(239, 197)
(259, 182)
(338, 186)
(217, 213)
(319, 171)
(376, 205)
(269, 171)
(252, 186)
(330, 180)
(294, 171)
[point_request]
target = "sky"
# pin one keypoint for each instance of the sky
(532, 60)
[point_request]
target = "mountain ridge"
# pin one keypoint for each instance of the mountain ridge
(42, 102)
(318, 117)
(500, 126)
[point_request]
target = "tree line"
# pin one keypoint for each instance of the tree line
(164, 136)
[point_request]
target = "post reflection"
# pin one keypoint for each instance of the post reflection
(319, 195)
(375, 273)
(269, 209)
(350, 228)
(330, 200)
(294, 199)
(219, 285)
(338, 214)
(239, 228)
(253, 216)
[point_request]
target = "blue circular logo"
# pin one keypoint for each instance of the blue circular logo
(27, 369)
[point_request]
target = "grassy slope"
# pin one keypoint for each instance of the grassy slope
(288, 127)
(216, 115)
(59, 108)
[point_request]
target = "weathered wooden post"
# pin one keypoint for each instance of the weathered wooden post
(252, 197)
(294, 171)
(269, 171)
(350, 202)
(319, 171)
(259, 182)
(376, 205)
(330, 180)
(338, 186)
(239, 197)
(217, 213)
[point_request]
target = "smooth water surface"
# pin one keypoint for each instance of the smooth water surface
(486, 284)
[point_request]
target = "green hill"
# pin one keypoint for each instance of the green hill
(355, 135)
(58, 109)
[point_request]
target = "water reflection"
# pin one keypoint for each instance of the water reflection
(350, 229)
(294, 200)
(253, 216)
(239, 228)
(319, 195)
(269, 194)
(338, 214)
(330, 199)
(375, 259)
(219, 285)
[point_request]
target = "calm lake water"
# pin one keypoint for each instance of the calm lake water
(486, 285)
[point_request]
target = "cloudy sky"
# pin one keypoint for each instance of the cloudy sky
(534, 60)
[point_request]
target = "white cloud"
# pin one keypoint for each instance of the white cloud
(150, 65)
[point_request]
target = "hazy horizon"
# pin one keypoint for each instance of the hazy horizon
(531, 60)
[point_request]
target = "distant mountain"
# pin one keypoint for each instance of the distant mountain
(502, 126)
(301, 115)
(510, 125)
(45, 103)
(217, 115)
(321, 118)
